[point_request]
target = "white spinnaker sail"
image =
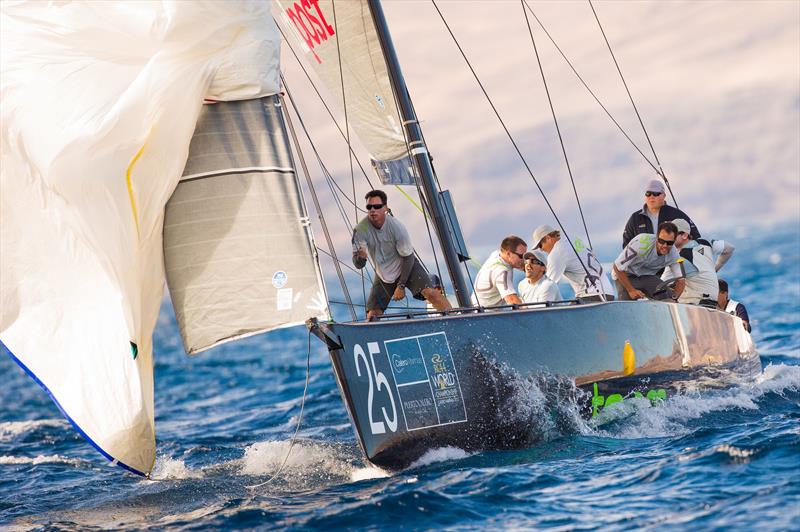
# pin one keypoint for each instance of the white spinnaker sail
(313, 28)
(99, 103)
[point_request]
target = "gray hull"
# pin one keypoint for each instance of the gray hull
(411, 385)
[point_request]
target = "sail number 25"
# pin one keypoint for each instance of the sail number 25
(381, 383)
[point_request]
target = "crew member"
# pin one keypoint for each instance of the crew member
(637, 267)
(536, 287)
(494, 284)
(654, 212)
(392, 254)
(585, 274)
(730, 306)
(701, 276)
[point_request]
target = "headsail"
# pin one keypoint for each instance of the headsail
(238, 250)
(96, 126)
(312, 26)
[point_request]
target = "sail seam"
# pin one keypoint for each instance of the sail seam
(228, 171)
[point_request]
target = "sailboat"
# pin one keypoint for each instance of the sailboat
(216, 193)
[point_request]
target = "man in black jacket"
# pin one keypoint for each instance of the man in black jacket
(654, 212)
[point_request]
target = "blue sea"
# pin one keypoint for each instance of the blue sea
(225, 419)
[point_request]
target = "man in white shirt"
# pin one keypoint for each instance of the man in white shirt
(494, 284)
(585, 274)
(536, 287)
(637, 267)
(392, 255)
(702, 285)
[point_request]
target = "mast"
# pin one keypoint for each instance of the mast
(419, 154)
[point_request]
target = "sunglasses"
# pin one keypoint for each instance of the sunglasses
(520, 255)
(536, 262)
(651, 193)
(665, 242)
(375, 206)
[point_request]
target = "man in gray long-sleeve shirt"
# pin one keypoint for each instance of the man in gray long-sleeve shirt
(392, 255)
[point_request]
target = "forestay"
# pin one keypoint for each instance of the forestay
(238, 250)
(349, 36)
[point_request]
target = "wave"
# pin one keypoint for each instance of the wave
(41, 459)
(637, 418)
(11, 429)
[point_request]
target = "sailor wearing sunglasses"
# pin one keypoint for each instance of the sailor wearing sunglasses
(396, 266)
(637, 268)
(536, 287)
(653, 213)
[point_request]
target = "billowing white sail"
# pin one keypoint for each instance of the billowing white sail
(348, 37)
(99, 103)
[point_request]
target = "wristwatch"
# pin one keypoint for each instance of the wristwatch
(401, 286)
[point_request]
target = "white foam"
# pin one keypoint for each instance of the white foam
(440, 454)
(41, 459)
(167, 468)
(777, 378)
(11, 429)
(367, 473)
(308, 463)
(642, 420)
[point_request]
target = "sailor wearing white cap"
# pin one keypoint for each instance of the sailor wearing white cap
(654, 212)
(702, 285)
(585, 274)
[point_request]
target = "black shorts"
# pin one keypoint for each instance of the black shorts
(381, 294)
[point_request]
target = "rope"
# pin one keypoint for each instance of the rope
(513, 142)
(635, 109)
(299, 420)
(347, 133)
(555, 121)
(591, 92)
(313, 192)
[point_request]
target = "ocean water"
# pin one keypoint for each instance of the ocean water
(713, 459)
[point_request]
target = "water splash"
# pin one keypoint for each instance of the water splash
(441, 454)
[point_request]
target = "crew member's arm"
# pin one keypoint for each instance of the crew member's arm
(724, 250)
(404, 248)
(680, 285)
(620, 270)
(677, 271)
(504, 281)
(359, 250)
(405, 273)
(742, 313)
(630, 230)
(622, 277)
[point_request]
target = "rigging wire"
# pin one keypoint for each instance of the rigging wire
(555, 121)
(514, 143)
(591, 92)
(314, 197)
(636, 110)
(347, 133)
(299, 420)
(322, 100)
